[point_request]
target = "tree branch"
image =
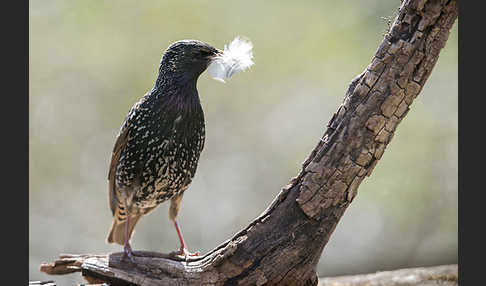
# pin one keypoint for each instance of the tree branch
(445, 275)
(283, 245)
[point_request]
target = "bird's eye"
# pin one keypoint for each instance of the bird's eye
(204, 53)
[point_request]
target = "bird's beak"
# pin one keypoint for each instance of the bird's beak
(217, 54)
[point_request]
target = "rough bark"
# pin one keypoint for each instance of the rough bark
(283, 245)
(444, 275)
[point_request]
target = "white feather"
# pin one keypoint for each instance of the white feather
(236, 57)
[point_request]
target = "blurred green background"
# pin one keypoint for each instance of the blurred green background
(91, 60)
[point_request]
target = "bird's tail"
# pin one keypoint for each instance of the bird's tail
(117, 230)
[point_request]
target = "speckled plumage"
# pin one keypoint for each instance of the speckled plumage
(158, 147)
(166, 138)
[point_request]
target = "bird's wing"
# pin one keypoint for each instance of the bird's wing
(120, 143)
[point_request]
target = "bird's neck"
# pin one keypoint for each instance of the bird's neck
(176, 94)
(175, 89)
(174, 76)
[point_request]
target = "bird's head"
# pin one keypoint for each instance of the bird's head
(185, 60)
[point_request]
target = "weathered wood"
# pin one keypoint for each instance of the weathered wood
(444, 275)
(67, 263)
(283, 245)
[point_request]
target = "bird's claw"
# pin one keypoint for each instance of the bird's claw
(128, 254)
(185, 253)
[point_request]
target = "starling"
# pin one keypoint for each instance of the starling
(158, 147)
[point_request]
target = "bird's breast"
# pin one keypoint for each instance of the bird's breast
(171, 162)
(166, 138)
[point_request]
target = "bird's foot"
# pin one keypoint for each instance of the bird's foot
(185, 253)
(128, 253)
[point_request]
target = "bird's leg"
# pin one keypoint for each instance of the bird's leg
(127, 249)
(175, 204)
(183, 251)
